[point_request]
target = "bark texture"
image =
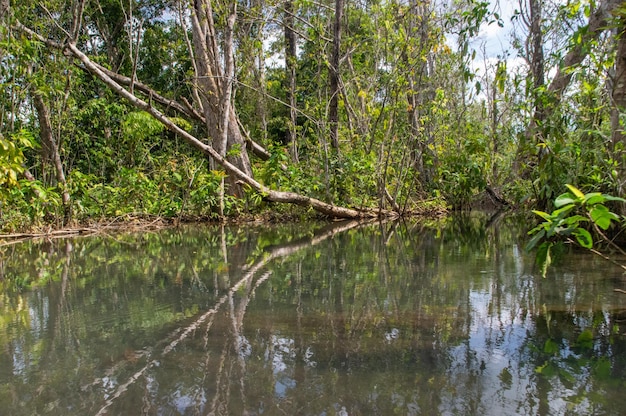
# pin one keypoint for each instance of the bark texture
(214, 86)
(290, 68)
(333, 106)
(618, 96)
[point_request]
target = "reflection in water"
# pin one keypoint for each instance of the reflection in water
(394, 318)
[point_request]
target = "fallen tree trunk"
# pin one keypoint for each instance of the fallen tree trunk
(268, 194)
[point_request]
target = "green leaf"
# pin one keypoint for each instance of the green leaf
(585, 339)
(544, 259)
(564, 199)
(535, 239)
(613, 198)
(551, 347)
(562, 212)
(543, 215)
(576, 192)
(583, 237)
(594, 198)
(575, 220)
(602, 216)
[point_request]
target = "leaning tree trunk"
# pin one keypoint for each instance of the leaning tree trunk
(240, 175)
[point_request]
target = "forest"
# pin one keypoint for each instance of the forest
(222, 109)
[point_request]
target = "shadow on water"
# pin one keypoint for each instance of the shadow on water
(439, 317)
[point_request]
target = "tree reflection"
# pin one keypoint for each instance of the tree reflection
(382, 318)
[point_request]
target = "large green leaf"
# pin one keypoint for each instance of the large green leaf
(562, 212)
(564, 199)
(613, 198)
(594, 198)
(602, 216)
(544, 259)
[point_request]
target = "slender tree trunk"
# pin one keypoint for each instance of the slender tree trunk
(290, 68)
(227, 91)
(419, 91)
(537, 62)
(50, 148)
(618, 96)
(333, 109)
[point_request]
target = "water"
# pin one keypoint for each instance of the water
(439, 318)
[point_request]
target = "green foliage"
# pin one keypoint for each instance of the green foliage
(12, 158)
(415, 118)
(567, 222)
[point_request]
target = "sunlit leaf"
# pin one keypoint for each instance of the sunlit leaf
(575, 191)
(562, 212)
(543, 215)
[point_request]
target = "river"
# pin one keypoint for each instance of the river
(433, 317)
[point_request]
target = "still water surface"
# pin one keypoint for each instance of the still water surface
(447, 318)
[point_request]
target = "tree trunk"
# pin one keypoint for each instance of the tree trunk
(50, 148)
(598, 23)
(214, 90)
(618, 95)
(537, 57)
(333, 107)
(419, 92)
(290, 68)
(534, 47)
